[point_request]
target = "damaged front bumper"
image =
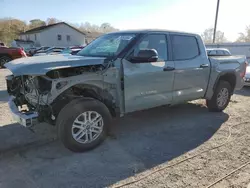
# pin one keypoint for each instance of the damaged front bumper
(25, 118)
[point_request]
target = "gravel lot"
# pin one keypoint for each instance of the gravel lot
(144, 142)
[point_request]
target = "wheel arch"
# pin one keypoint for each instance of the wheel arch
(86, 91)
(230, 77)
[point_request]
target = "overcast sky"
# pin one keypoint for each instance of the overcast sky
(186, 15)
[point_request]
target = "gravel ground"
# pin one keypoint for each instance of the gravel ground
(153, 147)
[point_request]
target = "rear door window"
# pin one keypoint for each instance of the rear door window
(184, 47)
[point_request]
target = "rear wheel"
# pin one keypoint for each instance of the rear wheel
(3, 60)
(83, 124)
(221, 97)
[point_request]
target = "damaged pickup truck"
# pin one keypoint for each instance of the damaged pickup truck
(116, 74)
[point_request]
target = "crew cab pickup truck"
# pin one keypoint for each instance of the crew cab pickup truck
(116, 74)
(8, 54)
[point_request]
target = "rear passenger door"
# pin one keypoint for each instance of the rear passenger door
(191, 68)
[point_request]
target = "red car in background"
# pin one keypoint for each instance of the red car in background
(8, 54)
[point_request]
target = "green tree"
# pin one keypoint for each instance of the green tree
(10, 29)
(36, 23)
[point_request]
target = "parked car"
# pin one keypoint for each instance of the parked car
(218, 52)
(247, 76)
(8, 54)
(35, 50)
(72, 50)
(116, 74)
(50, 51)
(28, 50)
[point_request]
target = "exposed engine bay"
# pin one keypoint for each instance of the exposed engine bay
(38, 92)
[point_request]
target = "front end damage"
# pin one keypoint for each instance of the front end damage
(28, 98)
(36, 99)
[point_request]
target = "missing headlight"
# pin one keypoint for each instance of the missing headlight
(44, 84)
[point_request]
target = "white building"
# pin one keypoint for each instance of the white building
(59, 34)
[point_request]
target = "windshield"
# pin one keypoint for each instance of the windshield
(109, 45)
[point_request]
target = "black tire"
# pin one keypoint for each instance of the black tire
(212, 104)
(3, 60)
(70, 112)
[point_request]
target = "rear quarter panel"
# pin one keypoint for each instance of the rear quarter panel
(222, 65)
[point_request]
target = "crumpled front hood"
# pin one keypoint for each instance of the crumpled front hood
(40, 65)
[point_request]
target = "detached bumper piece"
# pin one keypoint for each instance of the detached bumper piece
(27, 119)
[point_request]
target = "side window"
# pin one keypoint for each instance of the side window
(219, 52)
(68, 37)
(212, 52)
(57, 50)
(59, 37)
(184, 47)
(154, 41)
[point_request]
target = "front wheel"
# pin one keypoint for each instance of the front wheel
(221, 97)
(83, 124)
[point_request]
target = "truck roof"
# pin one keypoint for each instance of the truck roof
(154, 30)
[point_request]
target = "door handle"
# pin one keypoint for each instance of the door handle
(168, 68)
(204, 65)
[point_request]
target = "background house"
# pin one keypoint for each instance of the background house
(59, 34)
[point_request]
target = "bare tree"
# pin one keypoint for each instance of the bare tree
(104, 28)
(50, 21)
(244, 37)
(207, 36)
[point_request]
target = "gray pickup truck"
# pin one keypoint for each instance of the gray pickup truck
(116, 74)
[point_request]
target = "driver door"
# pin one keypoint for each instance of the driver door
(149, 84)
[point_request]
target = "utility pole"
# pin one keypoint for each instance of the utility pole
(216, 18)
